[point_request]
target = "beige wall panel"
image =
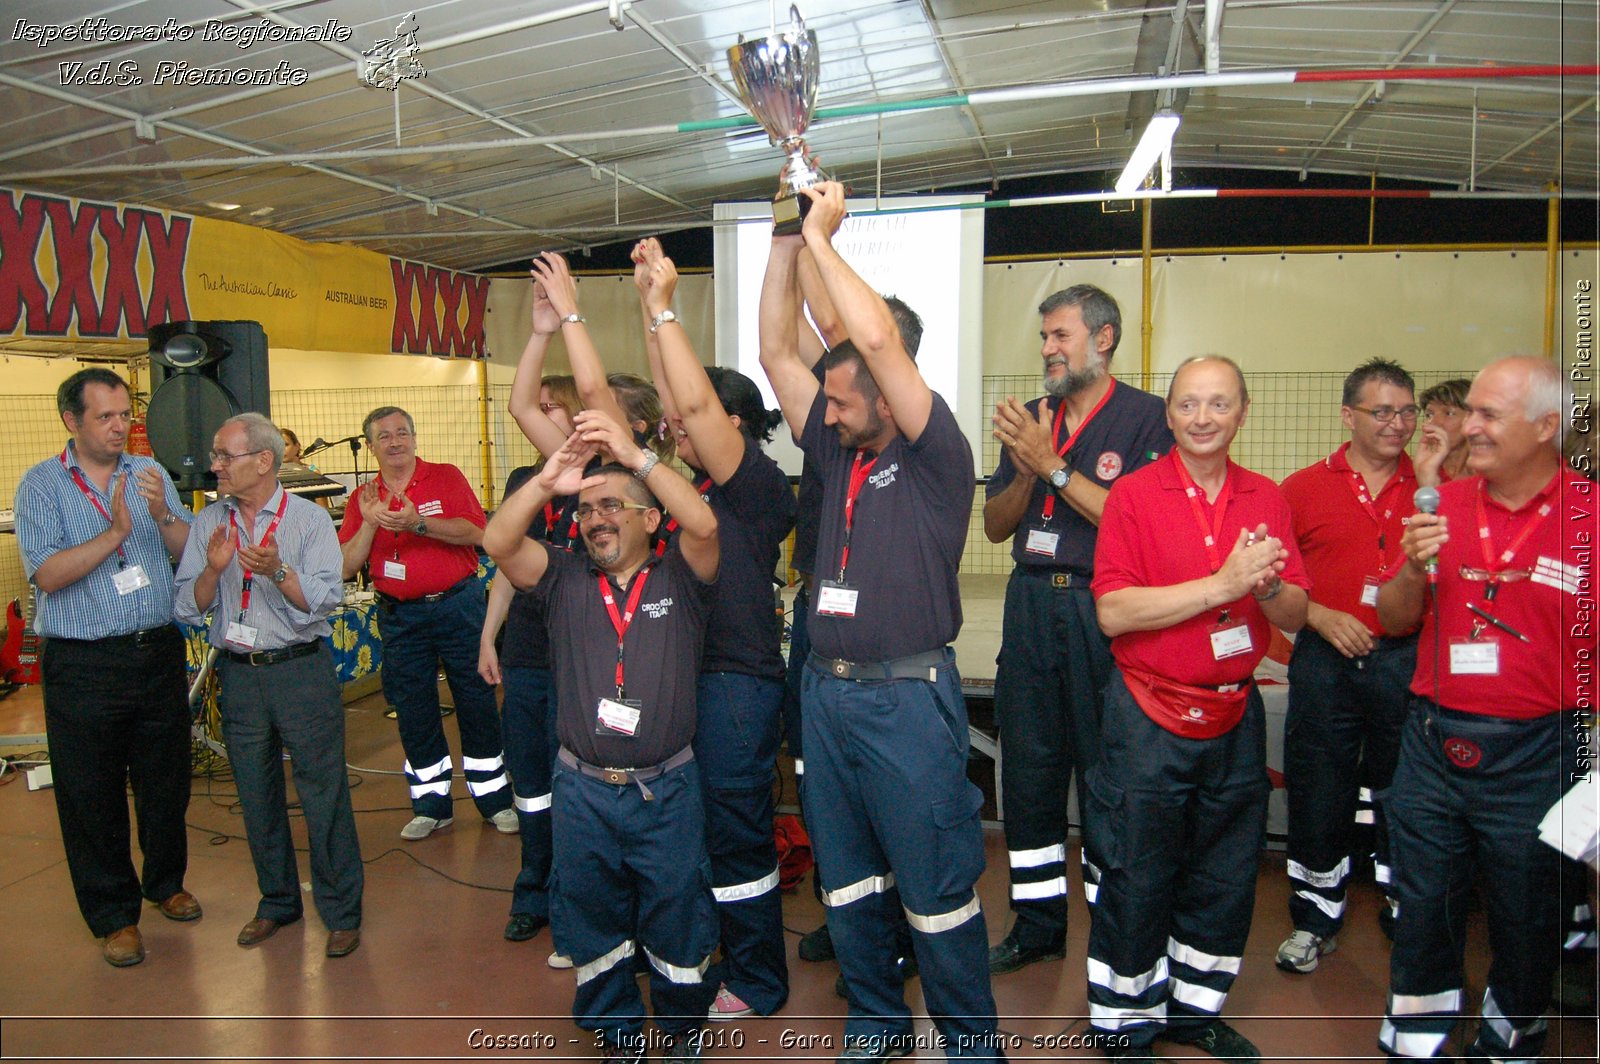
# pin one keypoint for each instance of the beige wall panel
(1012, 293)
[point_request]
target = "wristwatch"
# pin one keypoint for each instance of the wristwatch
(661, 319)
(421, 527)
(1059, 479)
(650, 460)
(169, 518)
(281, 575)
(574, 319)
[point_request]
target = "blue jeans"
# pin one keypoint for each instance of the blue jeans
(528, 720)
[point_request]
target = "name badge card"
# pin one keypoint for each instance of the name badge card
(241, 635)
(1475, 657)
(837, 600)
(1229, 640)
(130, 579)
(1041, 542)
(1369, 592)
(394, 570)
(618, 716)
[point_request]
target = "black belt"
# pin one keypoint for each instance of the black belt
(272, 657)
(147, 637)
(922, 666)
(438, 596)
(1063, 579)
(626, 775)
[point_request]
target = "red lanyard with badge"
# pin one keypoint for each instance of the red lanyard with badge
(1358, 485)
(393, 567)
(837, 598)
(129, 577)
(619, 716)
(240, 634)
(1229, 638)
(1042, 541)
(1478, 654)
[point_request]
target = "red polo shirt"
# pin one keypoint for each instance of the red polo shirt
(1553, 605)
(438, 490)
(1149, 538)
(1345, 535)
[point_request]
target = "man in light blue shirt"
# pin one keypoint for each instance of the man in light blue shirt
(97, 529)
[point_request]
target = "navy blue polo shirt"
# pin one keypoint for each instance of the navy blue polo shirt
(910, 528)
(1130, 431)
(755, 510)
(661, 656)
(808, 513)
(525, 643)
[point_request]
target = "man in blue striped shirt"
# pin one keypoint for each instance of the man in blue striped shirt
(98, 529)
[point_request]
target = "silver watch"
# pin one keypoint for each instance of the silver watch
(281, 575)
(661, 319)
(650, 461)
(1059, 479)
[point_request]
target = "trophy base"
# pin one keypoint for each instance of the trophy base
(789, 214)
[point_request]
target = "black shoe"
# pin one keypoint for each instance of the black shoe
(1221, 1041)
(876, 1050)
(1010, 955)
(632, 1053)
(817, 946)
(685, 1048)
(907, 966)
(523, 926)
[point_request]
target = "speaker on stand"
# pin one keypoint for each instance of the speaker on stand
(202, 373)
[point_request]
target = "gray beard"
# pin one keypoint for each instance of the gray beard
(1074, 381)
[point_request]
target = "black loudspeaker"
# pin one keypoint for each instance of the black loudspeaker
(201, 374)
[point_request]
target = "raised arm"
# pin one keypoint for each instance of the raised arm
(519, 559)
(792, 380)
(588, 372)
(524, 406)
(642, 264)
(822, 313)
(718, 442)
(865, 316)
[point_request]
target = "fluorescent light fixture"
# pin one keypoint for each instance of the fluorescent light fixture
(1157, 139)
(214, 205)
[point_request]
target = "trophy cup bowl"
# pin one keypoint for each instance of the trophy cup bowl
(777, 79)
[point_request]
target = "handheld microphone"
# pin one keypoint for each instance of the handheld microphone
(1427, 501)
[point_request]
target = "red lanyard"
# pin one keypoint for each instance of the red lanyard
(621, 621)
(672, 522)
(1062, 449)
(395, 553)
(858, 480)
(552, 518)
(1358, 484)
(249, 577)
(122, 559)
(1213, 535)
(1496, 565)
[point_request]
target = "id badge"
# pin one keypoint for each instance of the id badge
(836, 599)
(130, 579)
(617, 716)
(1229, 640)
(1369, 591)
(1475, 657)
(1041, 542)
(241, 635)
(394, 570)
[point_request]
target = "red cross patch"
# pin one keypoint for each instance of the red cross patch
(1109, 466)
(1463, 753)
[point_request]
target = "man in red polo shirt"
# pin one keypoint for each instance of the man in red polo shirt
(1348, 677)
(416, 526)
(1504, 661)
(1193, 568)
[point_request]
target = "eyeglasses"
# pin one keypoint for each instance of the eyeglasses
(1500, 576)
(606, 508)
(228, 459)
(1385, 414)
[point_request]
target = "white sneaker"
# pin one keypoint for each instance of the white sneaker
(505, 821)
(1302, 950)
(559, 960)
(727, 1006)
(423, 826)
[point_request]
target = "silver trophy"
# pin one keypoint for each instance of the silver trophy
(777, 78)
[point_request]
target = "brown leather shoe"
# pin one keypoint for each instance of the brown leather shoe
(343, 943)
(181, 906)
(259, 930)
(123, 948)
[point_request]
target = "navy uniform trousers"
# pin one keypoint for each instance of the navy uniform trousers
(1053, 667)
(1341, 735)
(631, 874)
(895, 823)
(417, 637)
(1467, 798)
(528, 724)
(1179, 825)
(736, 745)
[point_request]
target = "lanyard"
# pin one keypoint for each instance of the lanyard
(1212, 535)
(621, 621)
(858, 479)
(1358, 484)
(83, 486)
(552, 518)
(394, 554)
(672, 522)
(1062, 449)
(249, 577)
(1493, 565)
